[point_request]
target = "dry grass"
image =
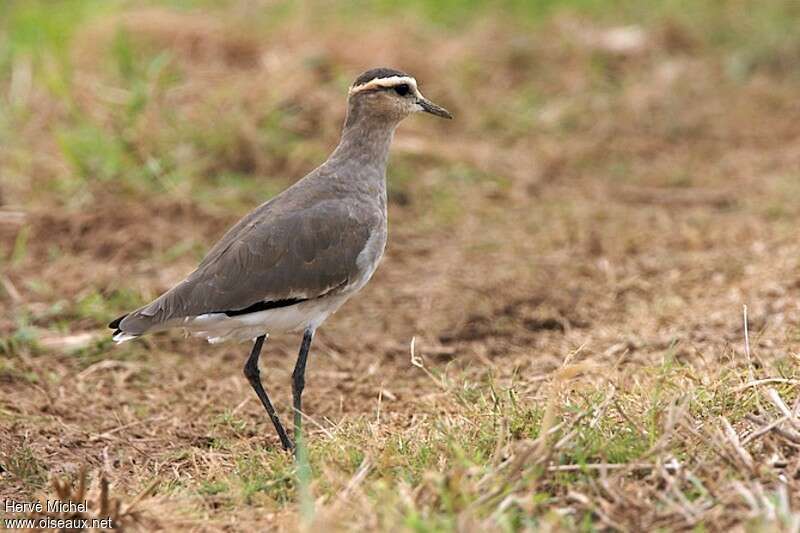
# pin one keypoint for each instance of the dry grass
(571, 256)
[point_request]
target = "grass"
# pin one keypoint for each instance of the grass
(571, 254)
(24, 465)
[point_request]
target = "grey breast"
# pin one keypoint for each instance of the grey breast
(305, 243)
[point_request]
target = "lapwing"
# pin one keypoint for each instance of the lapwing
(295, 259)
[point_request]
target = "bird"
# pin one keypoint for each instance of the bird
(296, 258)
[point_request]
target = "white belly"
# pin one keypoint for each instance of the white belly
(219, 327)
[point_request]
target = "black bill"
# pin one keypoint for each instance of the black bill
(433, 109)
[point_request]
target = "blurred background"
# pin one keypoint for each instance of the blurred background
(620, 178)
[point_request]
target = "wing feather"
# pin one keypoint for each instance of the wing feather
(268, 256)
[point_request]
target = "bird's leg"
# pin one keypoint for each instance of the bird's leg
(299, 381)
(254, 377)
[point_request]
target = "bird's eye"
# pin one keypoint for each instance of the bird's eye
(402, 90)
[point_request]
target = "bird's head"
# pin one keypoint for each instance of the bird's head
(388, 95)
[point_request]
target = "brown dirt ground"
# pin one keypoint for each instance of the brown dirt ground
(629, 219)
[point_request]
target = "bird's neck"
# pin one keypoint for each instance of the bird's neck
(364, 146)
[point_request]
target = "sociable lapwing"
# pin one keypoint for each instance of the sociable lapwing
(294, 260)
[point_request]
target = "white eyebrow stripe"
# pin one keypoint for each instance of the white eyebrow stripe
(385, 83)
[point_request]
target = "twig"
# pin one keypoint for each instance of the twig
(747, 345)
(110, 432)
(733, 438)
(107, 364)
(787, 434)
(12, 217)
(601, 466)
(319, 426)
(240, 406)
(763, 430)
(10, 289)
(584, 500)
(356, 480)
(765, 381)
(746, 495)
(146, 492)
(776, 400)
(417, 361)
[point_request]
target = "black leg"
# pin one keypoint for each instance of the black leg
(299, 381)
(254, 377)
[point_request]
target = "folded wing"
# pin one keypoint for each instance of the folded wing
(266, 258)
